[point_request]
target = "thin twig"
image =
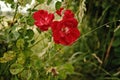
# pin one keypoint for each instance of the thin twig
(36, 43)
(108, 50)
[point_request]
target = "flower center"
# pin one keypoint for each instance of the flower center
(65, 29)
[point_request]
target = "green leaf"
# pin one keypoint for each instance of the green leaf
(69, 68)
(37, 64)
(8, 56)
(30, 21)
(35, 61)
(29, 34)
(16, 68)
(35, 74)
(26, 75)
(48, 2)
(117, 33)
(62, 75)
(27, 52)
(15, 35)
(21, 32)
(65, 69)
(41, 1)
(38, 30)
(20, 43)
(20, 58)
(58, 5)
(33, 41)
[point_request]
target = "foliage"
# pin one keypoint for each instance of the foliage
(98, 47)
(26, 53)
(19, 59)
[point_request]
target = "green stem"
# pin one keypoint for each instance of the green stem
(33, 8)
(98, 28)
(36, 43)
(16, 9)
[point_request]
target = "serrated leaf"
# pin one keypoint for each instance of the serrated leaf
(8, 56)
(58, 5)
(16, 68)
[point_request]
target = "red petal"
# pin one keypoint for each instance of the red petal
(43, 19)
(59, 12)
(70, 22)
(68, 14)
(39, 14)
(50, 18)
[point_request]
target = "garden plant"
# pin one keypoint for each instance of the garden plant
(60, 40)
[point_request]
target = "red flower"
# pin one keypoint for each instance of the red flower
(68, 14)
(65, 31)
(43, 19)
(59, 12)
